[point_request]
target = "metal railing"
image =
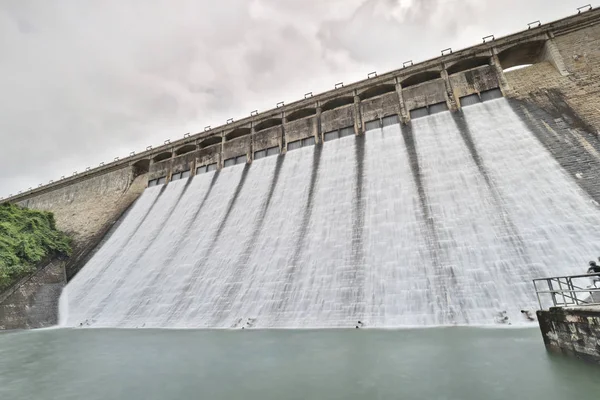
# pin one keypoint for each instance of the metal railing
(569, 291)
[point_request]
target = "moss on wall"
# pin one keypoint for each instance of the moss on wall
(26, 238)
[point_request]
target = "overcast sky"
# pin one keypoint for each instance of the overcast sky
(85, 81)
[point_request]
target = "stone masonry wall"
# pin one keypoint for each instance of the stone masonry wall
(88, 208)
(573, 332)
(33, 303)
(575, 96)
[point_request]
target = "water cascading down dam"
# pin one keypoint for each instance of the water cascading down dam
(442, 221)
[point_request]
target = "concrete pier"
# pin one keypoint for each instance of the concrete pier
(569, 315)
(573, 331)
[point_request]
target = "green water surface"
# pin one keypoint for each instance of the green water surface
(437, 363)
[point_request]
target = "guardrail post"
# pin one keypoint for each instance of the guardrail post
(552, 290)
(562, 292)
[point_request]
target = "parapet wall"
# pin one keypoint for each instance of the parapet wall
(572, 331)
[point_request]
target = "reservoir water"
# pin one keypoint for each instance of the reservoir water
(454, 363)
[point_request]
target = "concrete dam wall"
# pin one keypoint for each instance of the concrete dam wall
(550, 109)
(444, 221)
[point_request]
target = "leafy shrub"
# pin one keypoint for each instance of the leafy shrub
(26, 238)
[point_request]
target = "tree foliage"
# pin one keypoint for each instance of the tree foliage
(26, 238)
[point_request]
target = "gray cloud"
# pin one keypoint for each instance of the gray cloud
(83, 82)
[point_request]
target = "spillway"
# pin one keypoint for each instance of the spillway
(443, 221)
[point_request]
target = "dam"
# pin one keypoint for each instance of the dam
(431, 195)
(425, 224)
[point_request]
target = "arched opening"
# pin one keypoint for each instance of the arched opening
(468, 63)
(141, 167)
(522, 55)
(337, 103)
(267, 123)
(299, 114)
(185, 149)
(419, 78)
(377, 91)
(162, 156)
(210, 141)
(236, 133)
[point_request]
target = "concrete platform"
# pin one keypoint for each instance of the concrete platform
(573, 331)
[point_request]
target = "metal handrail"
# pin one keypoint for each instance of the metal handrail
(565, 293)
(569, 276)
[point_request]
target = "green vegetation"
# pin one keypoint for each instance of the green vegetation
(26, 238)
